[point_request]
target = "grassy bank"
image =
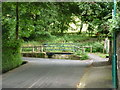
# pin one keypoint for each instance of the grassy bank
(66, 38)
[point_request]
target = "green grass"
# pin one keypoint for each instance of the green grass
(102, 54)
(66, 38)
(70, 38)
(83, 56)
(31, 43)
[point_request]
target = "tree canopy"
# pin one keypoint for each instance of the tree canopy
(34, 20)
(46, 18)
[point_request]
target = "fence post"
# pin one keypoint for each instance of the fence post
(42, 48)
(33, 49)
(21, 50)
(83, 49)
(91, 49)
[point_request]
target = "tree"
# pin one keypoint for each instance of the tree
(17, 20)
(11, 56)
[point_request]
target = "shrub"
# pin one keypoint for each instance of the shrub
(98, 47)
(83, 56)
(11, 56)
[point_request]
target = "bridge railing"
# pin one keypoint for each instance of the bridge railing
(65, 47)
(32, 49)
(56, 47)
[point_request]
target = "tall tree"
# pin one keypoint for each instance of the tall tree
(17, 20)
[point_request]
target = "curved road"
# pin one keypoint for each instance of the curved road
(46, 73)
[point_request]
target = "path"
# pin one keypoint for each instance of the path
(46, 73)
(99, 75)
(54, 73)
(97, 60)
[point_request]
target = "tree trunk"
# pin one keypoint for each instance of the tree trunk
(35, 20)
(81, 26)
(110, 52)
(62, 29)
(17, 21)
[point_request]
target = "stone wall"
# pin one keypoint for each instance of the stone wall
(118, 55)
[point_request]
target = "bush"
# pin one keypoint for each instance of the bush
(98, 47)
(11, 57)
(114, 24)
(83, 56)
(40, 36)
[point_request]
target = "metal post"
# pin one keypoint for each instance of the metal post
(114, 58)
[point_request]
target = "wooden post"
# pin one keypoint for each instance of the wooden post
(42, 48)
(110, 52)
(39, 47)
(21, 50)
(91, 49)
(83, 49)
(33, 49)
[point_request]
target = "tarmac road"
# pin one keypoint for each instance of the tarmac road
(46, 73)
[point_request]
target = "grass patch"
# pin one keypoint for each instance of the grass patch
(102, 54)
(65, 38)
(31, 43)
(83, 56)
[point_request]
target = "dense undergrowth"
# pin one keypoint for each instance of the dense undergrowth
(11, 57)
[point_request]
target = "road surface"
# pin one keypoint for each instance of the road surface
(46, 73)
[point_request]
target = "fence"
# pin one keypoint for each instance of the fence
(55, 47)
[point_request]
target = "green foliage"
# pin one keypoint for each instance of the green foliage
(97, 46)
(71, 38)
(11, 56)
(46, 18)
(27, 49)
(42, 21)
(31, 43)
(83, 56)
(114, 24)
(102, 55)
